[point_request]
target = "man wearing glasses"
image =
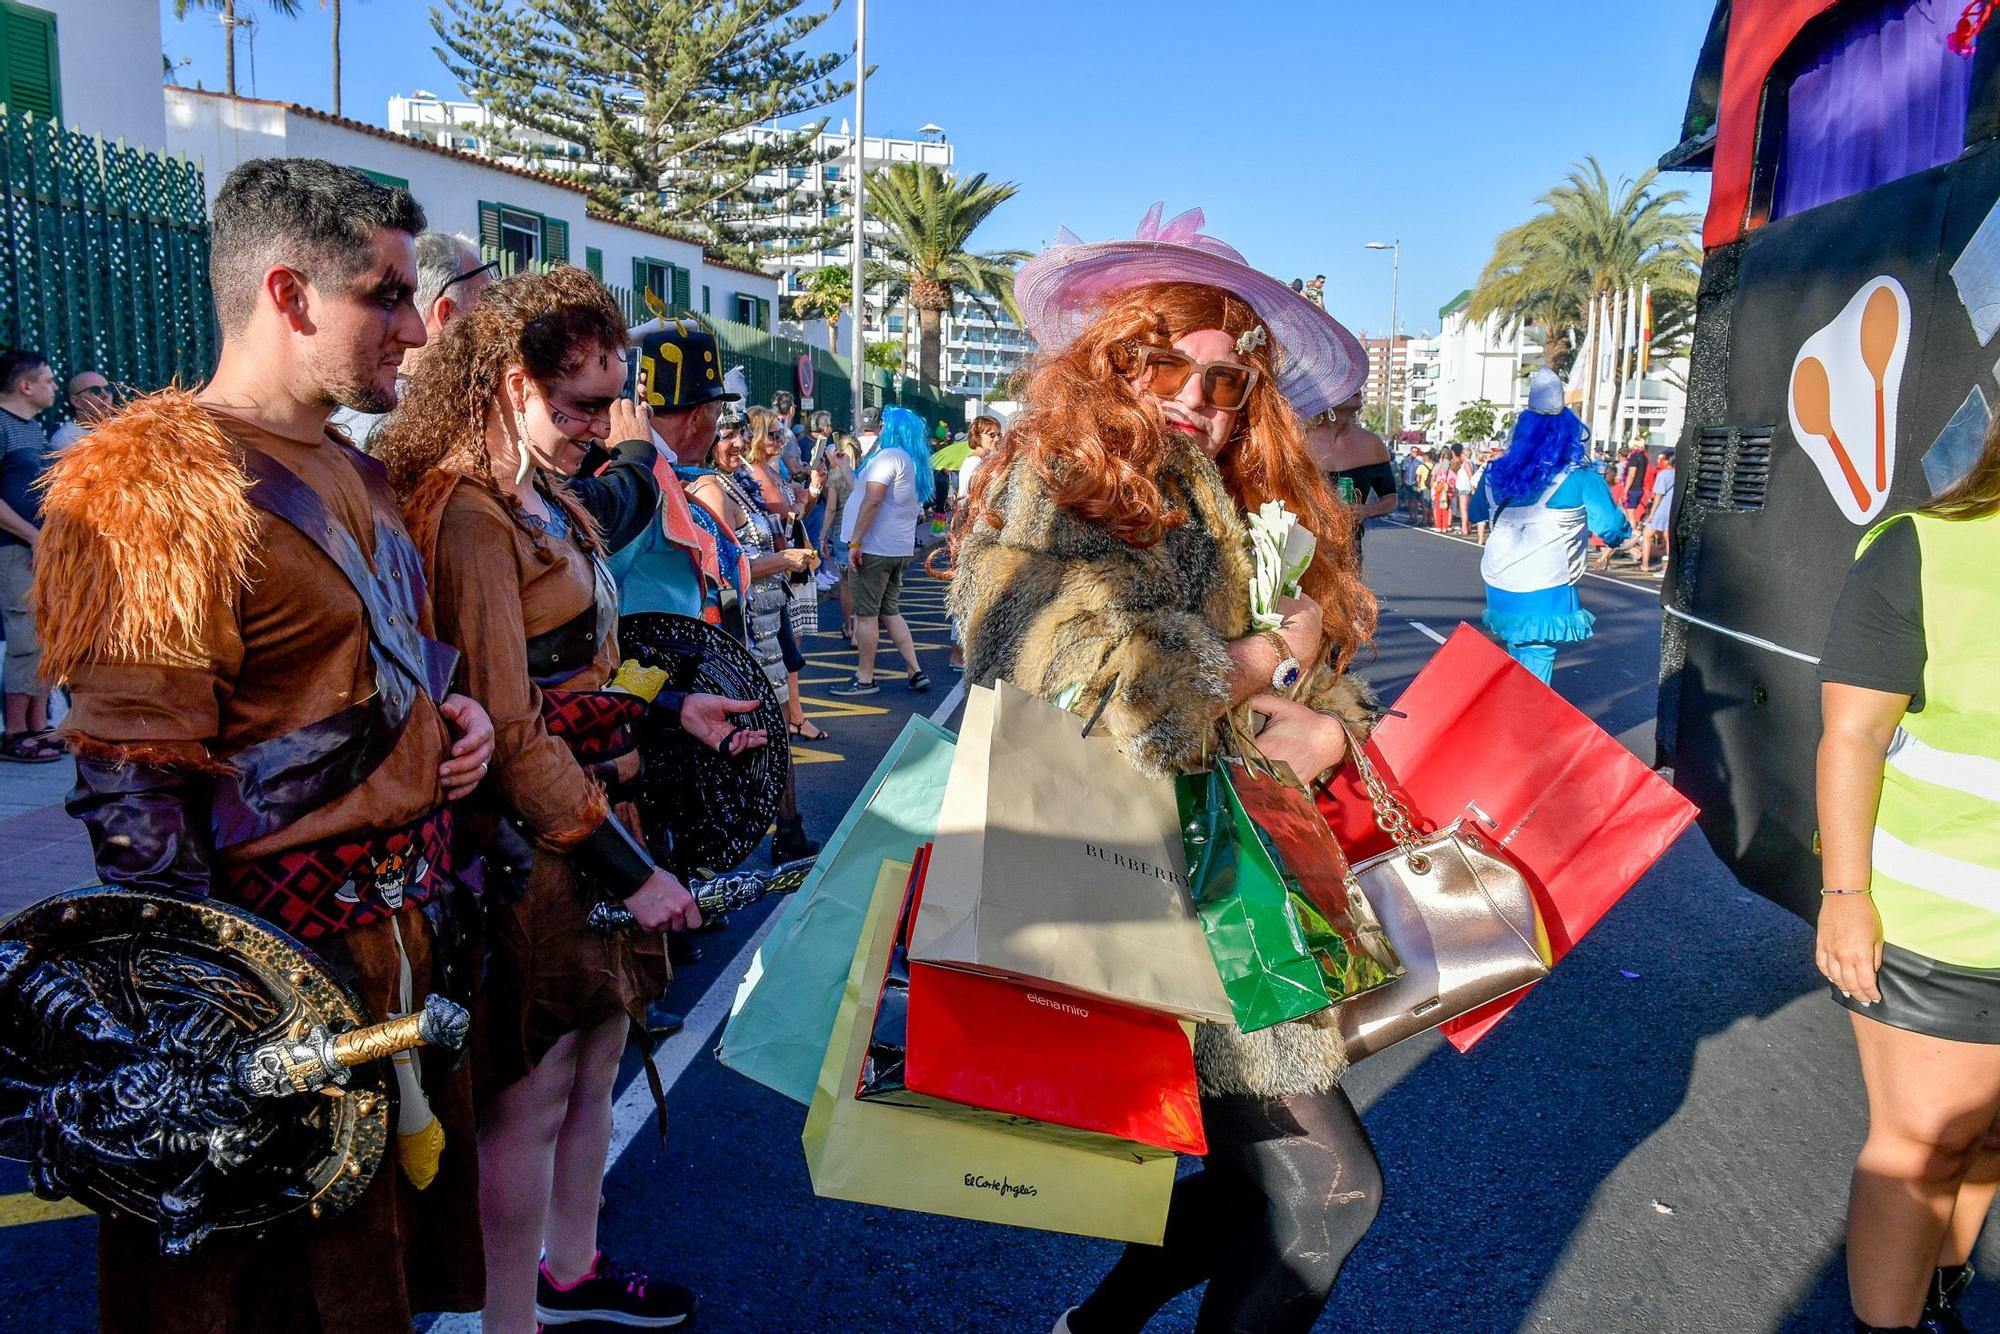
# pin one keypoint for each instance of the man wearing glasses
(90, 402)
(449, 280)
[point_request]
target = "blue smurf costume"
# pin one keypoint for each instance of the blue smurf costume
(1544, 502)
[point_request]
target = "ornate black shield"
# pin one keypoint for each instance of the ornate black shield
(711, 810)
(123, 1016)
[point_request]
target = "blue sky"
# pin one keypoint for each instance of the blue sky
(1304, 129)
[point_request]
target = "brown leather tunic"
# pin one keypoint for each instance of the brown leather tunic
(497, 585)
(287, 651)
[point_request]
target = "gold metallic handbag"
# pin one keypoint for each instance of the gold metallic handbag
(1460, 916)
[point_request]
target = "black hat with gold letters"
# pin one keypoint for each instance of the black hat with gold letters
(680, 366)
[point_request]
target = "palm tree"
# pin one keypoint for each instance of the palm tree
(884, 356)
(828, 292)
(929, 218)
(825, 296)
(334, 5)
(1589, 239)
(227, 8)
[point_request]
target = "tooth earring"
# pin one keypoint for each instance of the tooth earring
(525, 463)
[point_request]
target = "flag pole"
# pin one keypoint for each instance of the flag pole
(1628, 309)
(1645, 340)
(1595, 339)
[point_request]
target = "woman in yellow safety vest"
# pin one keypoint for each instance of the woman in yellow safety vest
(1909, 926)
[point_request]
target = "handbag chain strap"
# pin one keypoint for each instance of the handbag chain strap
(1392, 817)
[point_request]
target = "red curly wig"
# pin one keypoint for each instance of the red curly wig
(1097, 445)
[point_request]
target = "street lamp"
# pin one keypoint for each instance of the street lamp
(857, 348)
(1389, 356)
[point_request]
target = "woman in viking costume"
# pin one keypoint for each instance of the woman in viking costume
(500, 413)
(1104, 549)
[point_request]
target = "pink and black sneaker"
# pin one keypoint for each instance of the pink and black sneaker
(613, 1294)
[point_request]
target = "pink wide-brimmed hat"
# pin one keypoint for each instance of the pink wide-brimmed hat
(1062, 289)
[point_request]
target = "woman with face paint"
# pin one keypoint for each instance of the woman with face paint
(501, 412)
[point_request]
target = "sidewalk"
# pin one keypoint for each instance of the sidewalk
(42, 850)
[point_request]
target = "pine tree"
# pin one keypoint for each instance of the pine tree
(649, 105)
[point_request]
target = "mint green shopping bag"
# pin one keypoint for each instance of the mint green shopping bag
(783, 1015)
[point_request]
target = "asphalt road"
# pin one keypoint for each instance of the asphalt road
(1658, 1139)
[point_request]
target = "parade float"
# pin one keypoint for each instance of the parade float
(1843, 369)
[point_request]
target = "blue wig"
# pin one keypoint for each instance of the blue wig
(1545, 446)
(903, 429)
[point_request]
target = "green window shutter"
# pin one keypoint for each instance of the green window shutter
(593, 259)
(384, 178)
(639, 276)
(704, 299)
(555, 240)
(489, 225)
(30, 73)
(681, 280)
(763, 313)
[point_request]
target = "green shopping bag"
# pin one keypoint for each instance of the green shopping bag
(779, 1026)
(1245, 906)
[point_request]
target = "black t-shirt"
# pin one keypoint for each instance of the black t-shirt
(1877, 637)
(1372, 481)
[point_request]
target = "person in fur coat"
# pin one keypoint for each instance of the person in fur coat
(1104, 549)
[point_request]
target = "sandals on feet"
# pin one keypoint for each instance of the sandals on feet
(31, 748)
(818, 733)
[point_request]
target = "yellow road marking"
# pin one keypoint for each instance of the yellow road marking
(807, 755)
(20, 1210)
(833, 708)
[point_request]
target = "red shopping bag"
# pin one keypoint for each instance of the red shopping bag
(1478, 736)
(1067, 1068)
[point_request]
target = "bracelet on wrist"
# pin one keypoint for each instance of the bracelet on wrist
(1844, 893)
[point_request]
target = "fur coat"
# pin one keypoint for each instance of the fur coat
(1048, 600)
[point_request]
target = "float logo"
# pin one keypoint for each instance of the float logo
(1846, 383)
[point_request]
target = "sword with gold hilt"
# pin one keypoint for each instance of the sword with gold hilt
(319, 1057)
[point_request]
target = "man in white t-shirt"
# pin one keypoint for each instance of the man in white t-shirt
(879, 526)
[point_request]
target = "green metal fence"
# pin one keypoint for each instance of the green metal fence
(770, 361)
(107, 255)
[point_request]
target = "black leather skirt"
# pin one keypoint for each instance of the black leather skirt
(1924, 995)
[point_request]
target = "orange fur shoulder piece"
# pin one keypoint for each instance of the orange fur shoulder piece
(147, 530)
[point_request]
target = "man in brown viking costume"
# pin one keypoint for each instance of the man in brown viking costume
(260, 715)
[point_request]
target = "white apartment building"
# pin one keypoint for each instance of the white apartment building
(981, 350)
(530, 214)
(1493, 361)
(977, 350)
(1483, 360)
(1404, 372)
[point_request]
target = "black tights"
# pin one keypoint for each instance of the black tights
(1289, 1187)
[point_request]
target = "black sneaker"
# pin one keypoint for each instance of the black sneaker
(919, 682)
(615, 1295)
(855, 686)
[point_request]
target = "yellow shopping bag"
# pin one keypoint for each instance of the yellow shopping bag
(908, 1158)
